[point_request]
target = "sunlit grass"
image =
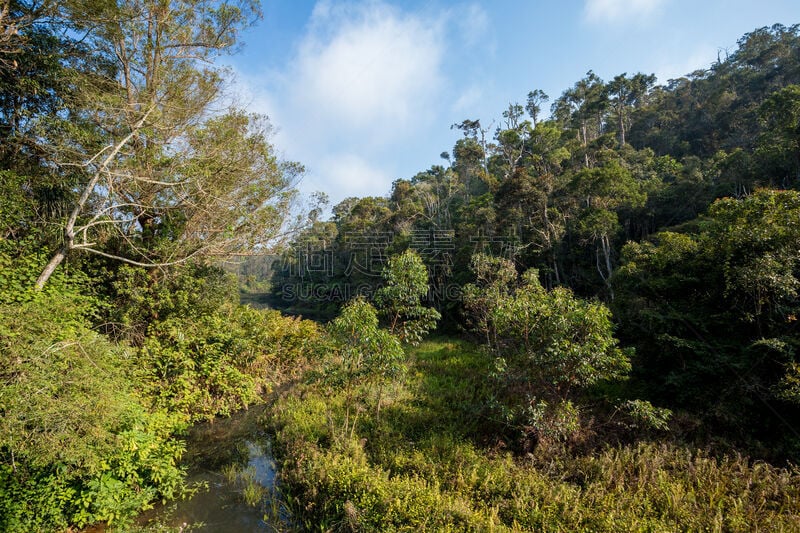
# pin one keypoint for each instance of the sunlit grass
(422, 467)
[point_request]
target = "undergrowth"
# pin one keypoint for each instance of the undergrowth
(427, 465)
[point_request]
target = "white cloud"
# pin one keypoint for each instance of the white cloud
(347, 174)
(616, 11)
(467, 99)
(472, 23)
(366, 79)
(367, 69)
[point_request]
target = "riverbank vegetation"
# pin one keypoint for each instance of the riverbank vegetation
(440, 458)
(615, 289)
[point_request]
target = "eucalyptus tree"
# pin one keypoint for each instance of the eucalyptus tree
(583, 107)
(601, 192)
(624, 94)
(534, 104)
(513, 145)
(176, 175)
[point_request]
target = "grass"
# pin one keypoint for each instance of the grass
(245, 480)
(429, 465)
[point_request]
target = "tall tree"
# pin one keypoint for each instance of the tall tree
(778, 147)
(534, 105)
(169, 182)
(400, 299)
(602, 191)
(583, 107)
(626, 93)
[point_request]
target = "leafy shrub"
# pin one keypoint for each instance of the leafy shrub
(397, 477)
(142, 297)
(22, 261)
(76, 444)
(399, 300)
(221, 361)
(549, 345)
(365, 357)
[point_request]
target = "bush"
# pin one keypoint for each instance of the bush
(22, 261)
(216, 363)
(395, 476)
(76, 444)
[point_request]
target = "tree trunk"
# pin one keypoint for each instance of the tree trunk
(606, 248)
(56, 260)
(69, 227)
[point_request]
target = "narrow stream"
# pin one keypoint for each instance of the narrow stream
(231, 460)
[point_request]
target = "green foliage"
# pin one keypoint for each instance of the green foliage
(495, 278)
(197, 366)
(399, 299)
(88, 432)
(548, 346)
(420, 469)
(222, 361)
(141, 298)
(789, 386)
(554, 341)
(366, 357)
(20, 264)
(645, 413)
(778, 146)
(548, 343)
(14, 204)
(712, 312)
(76, 444)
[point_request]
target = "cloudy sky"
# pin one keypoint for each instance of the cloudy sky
(363, 92)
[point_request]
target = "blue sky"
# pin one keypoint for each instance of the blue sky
(363, 92)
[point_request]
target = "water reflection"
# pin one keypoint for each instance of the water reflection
(232, 459)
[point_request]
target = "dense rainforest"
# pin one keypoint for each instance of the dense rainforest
(585, 320)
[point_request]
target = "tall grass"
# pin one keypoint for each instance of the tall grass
(421, 469)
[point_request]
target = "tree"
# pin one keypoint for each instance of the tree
(554, 341)
(170, 183)
(547, 344)
(779, 144)
(533, 106)
(526, 203)
(512, 142)
(13, 23)
(626, 93)
(602, 191)
(400, 298)
(494, 279)
(582, 107)
(366, 355)
(713, 313)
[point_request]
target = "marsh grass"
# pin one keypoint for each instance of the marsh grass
(231, 472)
(253, 493)
(245, 480)
(423, 467)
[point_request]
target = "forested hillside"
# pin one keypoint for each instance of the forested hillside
(613, 287)
(676, 205)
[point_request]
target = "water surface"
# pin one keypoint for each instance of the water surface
(215, 451)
